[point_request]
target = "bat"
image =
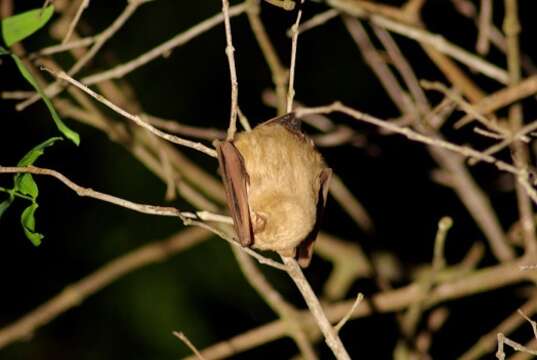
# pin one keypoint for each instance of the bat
(276, 186)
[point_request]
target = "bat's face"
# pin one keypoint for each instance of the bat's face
(276, 183)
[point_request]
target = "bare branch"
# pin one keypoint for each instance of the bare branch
(56, 87)
(485, 22)
(232, 72)
(434, 40)
(186, 217)
(273, 298)
(317, 20)
(292, 66)
(486, 279)
(181, 336)
(331, 337)
(83, 5)
(171, 138)
(183, 129)
(346, 318)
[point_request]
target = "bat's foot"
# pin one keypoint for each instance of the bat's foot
(288, 252)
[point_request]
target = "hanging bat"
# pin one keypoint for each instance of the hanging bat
(276, 186)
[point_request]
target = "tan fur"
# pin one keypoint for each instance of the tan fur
(284, 169)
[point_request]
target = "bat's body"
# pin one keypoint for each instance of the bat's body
(276, 183)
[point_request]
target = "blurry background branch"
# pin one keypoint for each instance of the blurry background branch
(371, 244)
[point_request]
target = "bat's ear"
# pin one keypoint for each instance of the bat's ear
(289, 121)
(236, 181)
(305, 248)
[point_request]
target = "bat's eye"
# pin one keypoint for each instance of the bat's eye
(259, 220)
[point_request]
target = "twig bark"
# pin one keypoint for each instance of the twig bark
(520, 150)
(521, 175)
(56, 87)
(187, 217)
(292, 66)
(181, 336)
(479, 281)
(279, 73)
(273, 298)
(230, 50)
(171, 138)
(83, 5)
(485, 22)
(434, 40)
(330, 334)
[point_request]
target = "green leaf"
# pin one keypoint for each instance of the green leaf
(70, 134)
(18, 27)
(4, 205)
(25, 184)
(32, 155)
(4, 51)
(28, 224)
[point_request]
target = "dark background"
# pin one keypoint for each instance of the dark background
(201, 291)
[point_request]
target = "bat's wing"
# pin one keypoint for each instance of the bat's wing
(235, 182)
(305, 249)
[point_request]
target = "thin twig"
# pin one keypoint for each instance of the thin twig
(346, 318)
(181, 336)
(83, 5)
(182, 129)
(274, 299)
(331, 337)
(350, 203)
(463, 183)
(279, 73)
(512, 322)
(439, 261)
(500, 354)
(317, 20)
(520, 150)
(521, 175)
(465, 106)
(414, 312)
(56, 87)
(489, 134)
(520, 135)
(230, 50)
(532, 323)
(87, 192)
(292, 66)
(404, 68)
(504, 97)
(434, 40)
(171, 138)
(225, 235)
(186, 217)
(485, 20)
(374, 60)
(180, 39)
(145, 152)
(245, 123)
(468, 9)
(409, 133)
(16, 95)
(54, 49)
(487, 279)
(349, 263)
